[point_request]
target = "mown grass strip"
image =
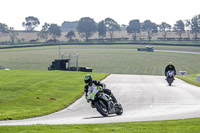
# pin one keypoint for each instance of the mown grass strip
(28, 93)
(175, 126)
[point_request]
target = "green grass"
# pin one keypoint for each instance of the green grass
(26, 93)
(175, 126)
(104, 59)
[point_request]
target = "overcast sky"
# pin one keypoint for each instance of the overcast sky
(14, 12)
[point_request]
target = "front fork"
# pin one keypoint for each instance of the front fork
(110, 107)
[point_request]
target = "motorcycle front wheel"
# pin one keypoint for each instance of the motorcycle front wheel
(170, 80)
(119, 110)
(101, 107)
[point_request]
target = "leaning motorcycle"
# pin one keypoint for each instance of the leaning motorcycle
(103, 102)
(170, 77)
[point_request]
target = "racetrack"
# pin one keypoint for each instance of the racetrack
(144, 98)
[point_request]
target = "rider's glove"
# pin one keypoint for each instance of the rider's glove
(86, 98)
(104, 86)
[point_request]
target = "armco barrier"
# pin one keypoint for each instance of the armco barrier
(103, 43)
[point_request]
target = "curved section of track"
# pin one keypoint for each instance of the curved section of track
(144, 98)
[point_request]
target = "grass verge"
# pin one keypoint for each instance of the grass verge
(192, 79)
(28, 93)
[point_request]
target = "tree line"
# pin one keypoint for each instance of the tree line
(87, 27)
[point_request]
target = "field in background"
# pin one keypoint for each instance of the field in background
(104, 59)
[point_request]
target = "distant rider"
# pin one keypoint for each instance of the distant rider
(93, 83)
(169, 67)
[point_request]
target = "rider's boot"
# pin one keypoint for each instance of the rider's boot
(114, 100)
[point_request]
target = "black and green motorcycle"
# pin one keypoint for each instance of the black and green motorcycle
(103, 102)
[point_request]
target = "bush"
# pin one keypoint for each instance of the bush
(33, 41)
(51, 41)
(186, 39)
(5, 43)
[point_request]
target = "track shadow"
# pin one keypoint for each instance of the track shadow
(99, 117)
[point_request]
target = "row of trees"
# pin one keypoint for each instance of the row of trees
(87, 27)
(5, 30)
(52, 30)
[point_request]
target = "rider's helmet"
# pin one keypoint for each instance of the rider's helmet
(88, 79)
(170, 64)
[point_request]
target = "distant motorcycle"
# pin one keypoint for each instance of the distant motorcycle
(170, 77)
(103, 102)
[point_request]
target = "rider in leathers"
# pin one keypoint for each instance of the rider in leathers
(93, 83)
(170, 67)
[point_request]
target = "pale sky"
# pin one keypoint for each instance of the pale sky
(14, 12)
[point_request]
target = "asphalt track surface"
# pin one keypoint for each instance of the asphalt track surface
(144, 98)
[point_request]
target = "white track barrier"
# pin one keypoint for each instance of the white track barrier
(198, 77)
(182, 73)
